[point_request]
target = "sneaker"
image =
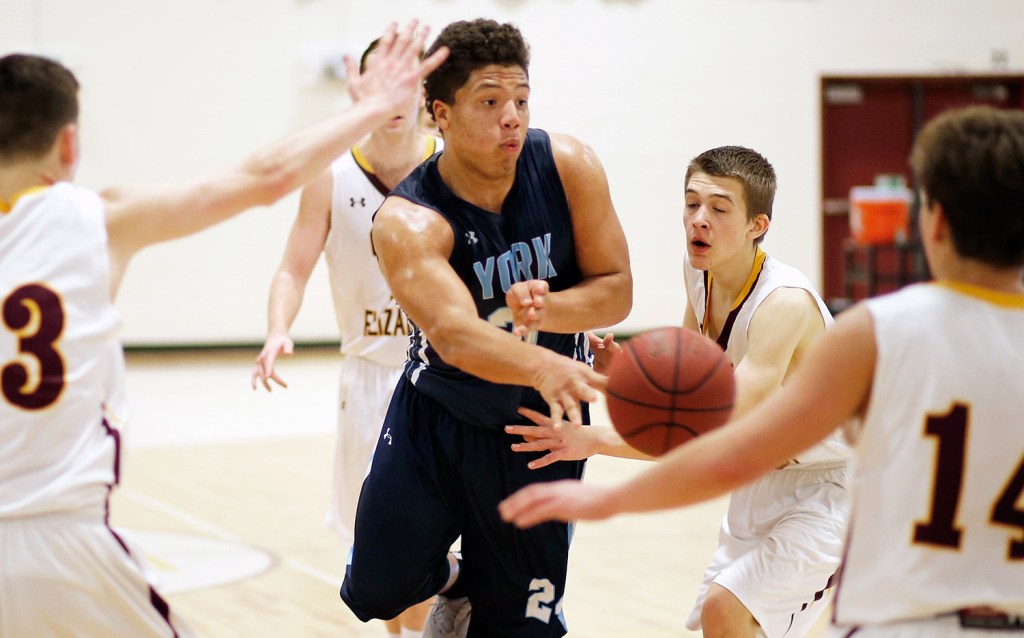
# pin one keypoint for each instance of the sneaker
(449, 618)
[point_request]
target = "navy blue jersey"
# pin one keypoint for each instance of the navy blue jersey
(532, 238)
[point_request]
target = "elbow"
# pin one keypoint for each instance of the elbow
(622, 299)
(272, 180)
(732, 473)
(447, 340)
(276, 185)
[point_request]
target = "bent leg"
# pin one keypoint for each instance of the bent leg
(409, 514)
(724, 616)
(515, 578)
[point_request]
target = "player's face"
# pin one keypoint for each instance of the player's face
(488, 120)
(717, 229)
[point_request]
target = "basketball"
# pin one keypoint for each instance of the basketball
(668, 386)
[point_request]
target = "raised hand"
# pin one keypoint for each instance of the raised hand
(394, 73)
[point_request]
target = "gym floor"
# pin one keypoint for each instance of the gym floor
(224, 491)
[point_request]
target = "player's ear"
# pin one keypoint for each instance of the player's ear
(933, 222)
(441, 113)
(759, 225)
(67, 147)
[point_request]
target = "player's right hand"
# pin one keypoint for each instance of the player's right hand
(263, 371)
(564, 383)
(560, 443)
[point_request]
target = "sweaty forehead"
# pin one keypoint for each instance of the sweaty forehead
(497, 76)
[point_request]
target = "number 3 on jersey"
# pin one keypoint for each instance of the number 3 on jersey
(951, 430)
(33, 381)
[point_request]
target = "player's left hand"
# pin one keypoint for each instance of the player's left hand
(567, 500)
(562, 441)
(526, 299)
(605, 349)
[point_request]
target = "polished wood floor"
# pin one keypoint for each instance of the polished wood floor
(224, 489)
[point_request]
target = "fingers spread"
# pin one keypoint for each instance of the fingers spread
(433, 61)
(534, 416)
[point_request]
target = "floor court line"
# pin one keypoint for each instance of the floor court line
(220, 533)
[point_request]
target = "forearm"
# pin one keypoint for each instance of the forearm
(610, 443)
(284, 166)
(692, 473)
(138, 216)
(596, 302)
(286, 294)
(477, 347)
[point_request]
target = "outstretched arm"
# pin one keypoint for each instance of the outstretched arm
(605, 294)
(820, 398)
(138, 217)
(567, 443)
(413, 245)
(305, 243)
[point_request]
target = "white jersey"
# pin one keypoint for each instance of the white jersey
(938, 484)
(767, 276)
(61, 362)
(370, 322)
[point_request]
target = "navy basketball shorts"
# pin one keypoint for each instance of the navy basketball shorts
(432, 479)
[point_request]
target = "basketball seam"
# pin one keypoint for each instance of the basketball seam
(674, 391)
(657, 406)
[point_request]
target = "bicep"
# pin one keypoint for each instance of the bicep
(821, 395)
(596, 225)
(776, 330)
(413, 245)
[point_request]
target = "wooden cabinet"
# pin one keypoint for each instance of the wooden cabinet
(868, 126)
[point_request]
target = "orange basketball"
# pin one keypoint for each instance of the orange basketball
(667, 386)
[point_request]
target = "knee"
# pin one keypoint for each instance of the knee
(376, 601)
(724, 615)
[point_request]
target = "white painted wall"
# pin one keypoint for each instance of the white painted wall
(172, 89)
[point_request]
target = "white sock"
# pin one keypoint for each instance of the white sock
(411, 633)
(391, 635)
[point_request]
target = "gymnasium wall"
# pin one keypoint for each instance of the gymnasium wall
(173, 89)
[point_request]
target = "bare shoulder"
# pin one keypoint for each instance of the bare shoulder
(572, 154)
(789, 309)
(401, 226)
(791, 300)
(582, 175)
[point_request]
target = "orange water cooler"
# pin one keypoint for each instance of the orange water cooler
(880, 214)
